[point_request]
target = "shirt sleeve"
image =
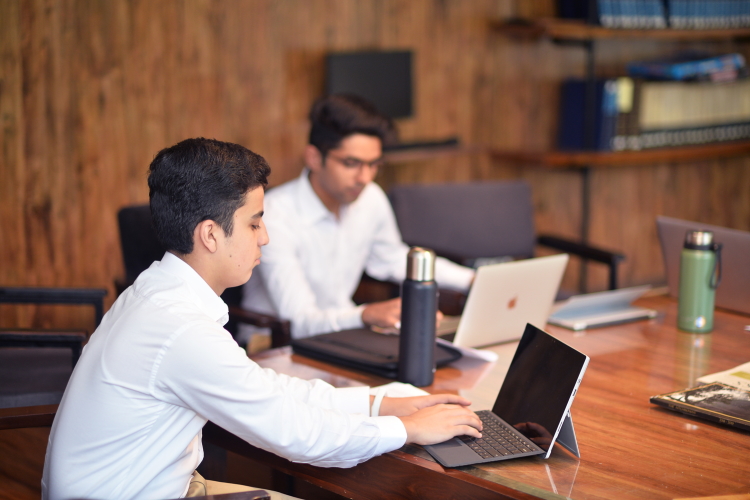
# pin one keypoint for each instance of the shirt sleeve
(289, 291)
(203, 369)
(387, 260)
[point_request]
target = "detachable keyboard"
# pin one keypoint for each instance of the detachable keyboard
(498, 440)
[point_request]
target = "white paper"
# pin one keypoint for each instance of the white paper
(739, 377)
(482, 354)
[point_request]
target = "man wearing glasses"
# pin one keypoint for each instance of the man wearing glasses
(331, 224)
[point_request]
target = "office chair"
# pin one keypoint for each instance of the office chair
(480, 222)
(141, 247)
(35, 365)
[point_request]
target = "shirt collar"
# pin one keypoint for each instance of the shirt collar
(203, 296)
(313, 209)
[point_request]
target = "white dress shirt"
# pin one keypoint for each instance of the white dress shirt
(314, 261)
(158, 367)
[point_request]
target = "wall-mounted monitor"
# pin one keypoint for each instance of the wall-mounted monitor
(382, 77)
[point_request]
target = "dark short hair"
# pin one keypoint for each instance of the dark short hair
(200, 179)
(337, 116)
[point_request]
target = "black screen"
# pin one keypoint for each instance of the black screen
(538, 386)
(383, 78)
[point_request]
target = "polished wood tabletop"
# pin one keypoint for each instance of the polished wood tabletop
(629, 447)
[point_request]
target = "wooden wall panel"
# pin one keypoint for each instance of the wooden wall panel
(90, 90)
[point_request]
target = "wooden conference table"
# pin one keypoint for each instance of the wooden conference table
(629, 448)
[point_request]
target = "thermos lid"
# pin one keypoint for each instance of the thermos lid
(420, 264)
(699, 240)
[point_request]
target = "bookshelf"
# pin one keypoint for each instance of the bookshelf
(581, 34)
(583, 159)
(572, 30)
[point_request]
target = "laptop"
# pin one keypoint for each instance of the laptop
(506, 296)
(591, 310)
(532, 410)
(733, 292)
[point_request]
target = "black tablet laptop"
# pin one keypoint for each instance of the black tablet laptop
(532, 410)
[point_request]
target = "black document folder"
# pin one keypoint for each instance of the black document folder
(365, 350)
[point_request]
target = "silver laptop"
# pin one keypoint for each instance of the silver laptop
(734, 290)
(506, 296)
(593, 310)
(532, 409)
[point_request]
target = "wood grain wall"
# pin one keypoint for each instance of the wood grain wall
(90, 90)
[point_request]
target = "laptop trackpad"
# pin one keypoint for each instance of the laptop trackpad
(452, 452)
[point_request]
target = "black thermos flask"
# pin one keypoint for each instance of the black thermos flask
(419, 298)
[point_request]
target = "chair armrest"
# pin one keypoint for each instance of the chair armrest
(281, 329)
(34, 295)
(586, 252)
(22, 417)
(43, 338)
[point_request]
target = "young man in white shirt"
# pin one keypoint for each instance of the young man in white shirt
(161, 365)
(331, 224)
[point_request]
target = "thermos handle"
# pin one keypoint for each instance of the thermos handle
(716, 275)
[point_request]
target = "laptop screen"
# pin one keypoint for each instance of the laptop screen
(545, 370)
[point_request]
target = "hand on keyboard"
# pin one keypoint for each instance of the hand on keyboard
(441, 422)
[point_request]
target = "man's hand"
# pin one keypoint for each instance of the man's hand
(386, 314)
(441, 422)
(402, 407)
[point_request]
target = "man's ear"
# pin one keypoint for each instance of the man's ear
(313, 158)
(207, 234)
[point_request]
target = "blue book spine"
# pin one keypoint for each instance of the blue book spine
(640, 20)
(676, 15)
(630, 17)
(605, 13)
(571, 123)
(660, 17)
(609, 115)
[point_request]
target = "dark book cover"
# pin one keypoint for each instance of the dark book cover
(572, 121)
(716, 402)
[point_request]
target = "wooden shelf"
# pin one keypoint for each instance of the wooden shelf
(573, 30)
(580, 159)
(419, 154)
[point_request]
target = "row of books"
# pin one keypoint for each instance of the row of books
(708, 14)
(634, 114)
(640, 14)
(656, 14)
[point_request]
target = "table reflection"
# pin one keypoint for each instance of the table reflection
(693, 353)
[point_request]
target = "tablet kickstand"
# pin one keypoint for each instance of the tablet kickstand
(567, 436)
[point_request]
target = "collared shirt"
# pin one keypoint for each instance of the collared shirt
(159, 367)
(314, 261)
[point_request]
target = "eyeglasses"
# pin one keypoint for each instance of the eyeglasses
(350, 162)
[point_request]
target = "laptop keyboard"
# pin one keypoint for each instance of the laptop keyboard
(497, 440)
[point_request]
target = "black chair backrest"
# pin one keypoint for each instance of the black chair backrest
(140, 246)
(468, 220)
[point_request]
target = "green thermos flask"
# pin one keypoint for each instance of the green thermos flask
(700, 274)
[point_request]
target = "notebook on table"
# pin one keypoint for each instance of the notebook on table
(506, 296)
(598, 309)
(733, 292)
(532, 410)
